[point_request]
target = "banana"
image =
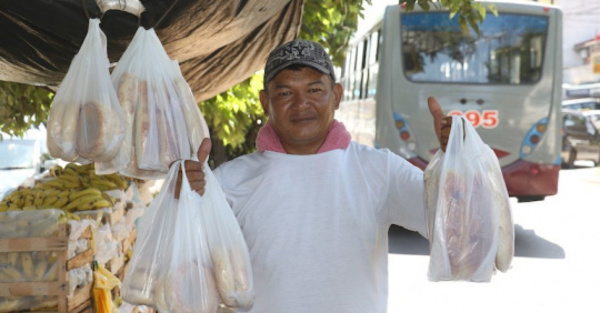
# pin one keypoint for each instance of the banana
(117, 180)
(51, 192)
(55, 183)
(12, 273)
(29, 208)
(103, 185)
(49, 201)
(74, 205)
(109, 198)
(100, 204)
(3, 207)
(29, 199)
(52, 272)
(56, 171)
(39, 198)
(13, 258)
(4, 258)
(40, 270)
(85, 192)
(61, 202)
(27, 264)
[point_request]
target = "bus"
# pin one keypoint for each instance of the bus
(506, 80)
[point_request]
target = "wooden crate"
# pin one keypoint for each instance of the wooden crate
(80, 300)
(110, 215)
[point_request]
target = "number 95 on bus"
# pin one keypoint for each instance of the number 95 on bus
(485, 118)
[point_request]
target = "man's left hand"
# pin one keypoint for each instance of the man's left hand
(441, 122)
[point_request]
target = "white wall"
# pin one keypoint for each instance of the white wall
(580, 23)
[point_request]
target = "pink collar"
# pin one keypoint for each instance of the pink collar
(337, 138)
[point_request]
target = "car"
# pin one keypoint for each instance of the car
(22, 159)
(580, 138)
(581, 104)
(594, 116)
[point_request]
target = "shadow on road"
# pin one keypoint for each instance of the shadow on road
(527, 244)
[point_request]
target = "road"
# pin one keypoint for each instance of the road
(556, 266)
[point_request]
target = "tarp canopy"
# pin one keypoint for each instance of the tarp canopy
(218, 43)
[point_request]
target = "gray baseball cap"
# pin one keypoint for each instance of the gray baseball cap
(298, 52)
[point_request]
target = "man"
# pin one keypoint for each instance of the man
(314, 206)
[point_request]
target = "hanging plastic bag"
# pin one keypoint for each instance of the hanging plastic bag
(163, 118)
(104, 282)
(467, 209)
(86, 121)
(228, 249)
(170, 268)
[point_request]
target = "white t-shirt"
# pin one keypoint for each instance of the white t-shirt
(317, 225)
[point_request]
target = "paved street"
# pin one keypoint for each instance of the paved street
(556, 265)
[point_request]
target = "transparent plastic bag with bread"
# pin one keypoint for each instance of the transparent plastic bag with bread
(228, 248)
(86, 122)
(170, 268)
(163, 118)
(468, 213)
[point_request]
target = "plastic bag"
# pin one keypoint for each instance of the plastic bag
(163, 118)
(86, 121)
(466, 198)
(170, 268)
(228, 249)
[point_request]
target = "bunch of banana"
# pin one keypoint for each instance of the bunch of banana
(28, 266)
(74, 187)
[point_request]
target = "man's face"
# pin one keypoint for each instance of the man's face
(300, 105)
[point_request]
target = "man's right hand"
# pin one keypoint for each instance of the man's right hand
(193, 170)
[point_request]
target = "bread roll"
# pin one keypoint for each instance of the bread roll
(233, 277)
(62, 131)
(188, 289)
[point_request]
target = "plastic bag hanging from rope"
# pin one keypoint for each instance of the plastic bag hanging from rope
(170, 268)
(86, 121)
(163, 118)
(467, 209)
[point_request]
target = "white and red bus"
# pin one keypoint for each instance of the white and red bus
(506, 81)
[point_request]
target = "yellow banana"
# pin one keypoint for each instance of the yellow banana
(3, 207)
(85, 192)
(26, 191)
(117, 180)
(71, 172)
(40, 270)
(29, 199)
(55, 183)
(13, 258)
(109, 198)
(74, 205)
(29, 208)
(103, 185)
(51, 192)
(27, 264)
(39, 198)
(12, 272)
(56, 171)
(49, 201)
(61, 202)
(52, 272)
(100, 204)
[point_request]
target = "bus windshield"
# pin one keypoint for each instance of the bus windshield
(509, 49)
